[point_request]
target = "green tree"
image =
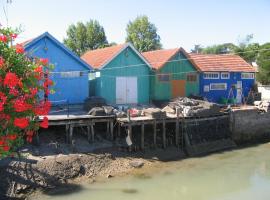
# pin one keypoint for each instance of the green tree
(82, 37)
(219, 49)
(247, 50)
(197, 48)
(143, 34)
(263, 61)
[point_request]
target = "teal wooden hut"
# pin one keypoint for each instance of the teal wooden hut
(174, 75)
(122, 74)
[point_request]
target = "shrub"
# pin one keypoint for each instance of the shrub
(22, 81)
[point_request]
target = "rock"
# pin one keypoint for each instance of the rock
(136, 163)
(109, 176)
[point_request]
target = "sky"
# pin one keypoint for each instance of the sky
(179, 22)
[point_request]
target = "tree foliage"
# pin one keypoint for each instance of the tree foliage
(219, 49)
(21, 79)
(143, 34)
(83, 37)
(263, 62)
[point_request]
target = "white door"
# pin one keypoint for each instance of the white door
(239, 92)
(126, 90)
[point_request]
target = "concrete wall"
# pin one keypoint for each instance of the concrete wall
(265, 90)
(249, 125)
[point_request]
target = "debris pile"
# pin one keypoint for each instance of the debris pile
(155, 113)
(263, 105)
(192, 108)
(186, 107)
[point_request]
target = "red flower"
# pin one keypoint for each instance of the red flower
(29, 139)
(19, 49)
(14, 36)
(20, 105)
(29, 133)
(44, 123)
(39, 69)
(11, 80)
(2, 142)
(33, 91)
(12, 137)
(6, 148)
(3, 99)
(43, 108)
(44, 61)
(13, 91)
(21, 122)
(2, 61)
(3, 38)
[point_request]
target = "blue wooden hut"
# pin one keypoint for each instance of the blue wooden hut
(122, 74)
(70, 73)
(224, 77)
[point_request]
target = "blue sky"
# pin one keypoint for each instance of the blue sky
(179, 22)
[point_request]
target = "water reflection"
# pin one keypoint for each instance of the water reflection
(241, 174)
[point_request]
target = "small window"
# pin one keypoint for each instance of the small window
(247, 75)
(218, 86)
(191, 77)
(73, 74)
(211, 75)
(163, 77)
(97, 74)
(92, 76)
(225, 75)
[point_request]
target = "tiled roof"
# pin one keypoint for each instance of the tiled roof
(158, 58)
(225, 62)
(97, 58)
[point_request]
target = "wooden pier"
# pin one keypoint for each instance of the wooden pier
(79, 118)
(180, 124)
(183, 132)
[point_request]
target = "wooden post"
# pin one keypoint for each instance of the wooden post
(108, 130)
(164, 134)
(67, 133)
(37, 138)
(155, 133)
(129, 132)
(111, 129)
(177, 128)
(70, 133)
(119, 130)
(142, 136)
(92, 132)
(88, 134)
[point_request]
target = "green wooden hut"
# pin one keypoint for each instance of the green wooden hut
(174, 75)
(121, 74)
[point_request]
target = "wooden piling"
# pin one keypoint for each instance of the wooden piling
(129, 132)
(177, 128)
(155, 133)
(92, 132)
(142, 136)
(89, 134)
(164, 133)
(67, 133)
(119, 130)
(71, 133)
(111, 130)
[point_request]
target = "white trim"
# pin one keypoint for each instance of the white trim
(225, 84)
(222, 73)
(121, 50)
(210, 73)
(247, 73)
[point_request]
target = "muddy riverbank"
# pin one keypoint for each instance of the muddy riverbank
(55, 164)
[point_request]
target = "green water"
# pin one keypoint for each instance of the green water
(235, 175)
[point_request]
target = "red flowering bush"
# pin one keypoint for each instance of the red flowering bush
(21, 80)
